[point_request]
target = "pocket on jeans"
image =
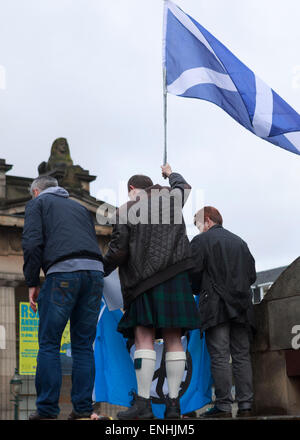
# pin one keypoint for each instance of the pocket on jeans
(63, 290)
(95, 293)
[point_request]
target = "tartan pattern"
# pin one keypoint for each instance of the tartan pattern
(168, 305)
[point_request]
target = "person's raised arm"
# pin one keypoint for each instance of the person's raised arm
(176, 181)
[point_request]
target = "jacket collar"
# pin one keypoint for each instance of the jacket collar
(147, 191)
(215, 227)
(157, 186)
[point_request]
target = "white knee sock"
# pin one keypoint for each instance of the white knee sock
(175, 365)
(144, 363)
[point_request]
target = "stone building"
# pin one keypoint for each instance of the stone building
(14, 194)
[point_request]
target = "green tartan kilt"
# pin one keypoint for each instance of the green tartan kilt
(168, 305)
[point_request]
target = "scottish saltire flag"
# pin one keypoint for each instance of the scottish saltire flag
(196, 386)
(112, 292)
(199, 66)
(115, 374)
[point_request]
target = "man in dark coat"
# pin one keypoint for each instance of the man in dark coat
(224, 273)
(59, 237)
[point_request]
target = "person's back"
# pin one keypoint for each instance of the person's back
(223, 274)
(56, 228)
(65, 219)
(59, 237)
(151, 249)
(153, 236)
(225, 260)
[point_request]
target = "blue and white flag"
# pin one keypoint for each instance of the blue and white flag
(112, 292)
(199, 66)
(115, 374)
(196, 386)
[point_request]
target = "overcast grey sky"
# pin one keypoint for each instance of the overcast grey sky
(90, 71)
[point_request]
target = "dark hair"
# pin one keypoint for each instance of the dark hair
(139, 181)
(209, 212)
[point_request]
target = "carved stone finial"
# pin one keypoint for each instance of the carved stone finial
(60, 166)
(60, 157)
(60, 154)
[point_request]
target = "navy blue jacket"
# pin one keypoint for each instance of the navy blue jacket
(56, 228)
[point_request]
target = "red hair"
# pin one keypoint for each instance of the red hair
(209, 212)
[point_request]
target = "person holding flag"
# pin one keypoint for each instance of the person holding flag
(150, 246)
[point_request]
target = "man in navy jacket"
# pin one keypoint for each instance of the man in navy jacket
(59, 238)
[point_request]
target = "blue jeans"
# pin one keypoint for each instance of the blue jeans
(63, 296)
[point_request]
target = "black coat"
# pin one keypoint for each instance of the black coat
(225, 270)
(149, 254)
(56, 228)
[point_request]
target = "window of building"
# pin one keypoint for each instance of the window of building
(259, 291)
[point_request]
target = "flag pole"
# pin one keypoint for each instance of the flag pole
(165, 94)
(165, 115)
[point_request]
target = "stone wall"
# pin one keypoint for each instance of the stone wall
(277, 392)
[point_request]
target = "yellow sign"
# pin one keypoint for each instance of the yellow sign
(29, 346)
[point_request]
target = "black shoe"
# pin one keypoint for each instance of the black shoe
(77, 416)
(140, 409)
(216, 413)
(245, 413)
(37, 416)
(172, 408)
